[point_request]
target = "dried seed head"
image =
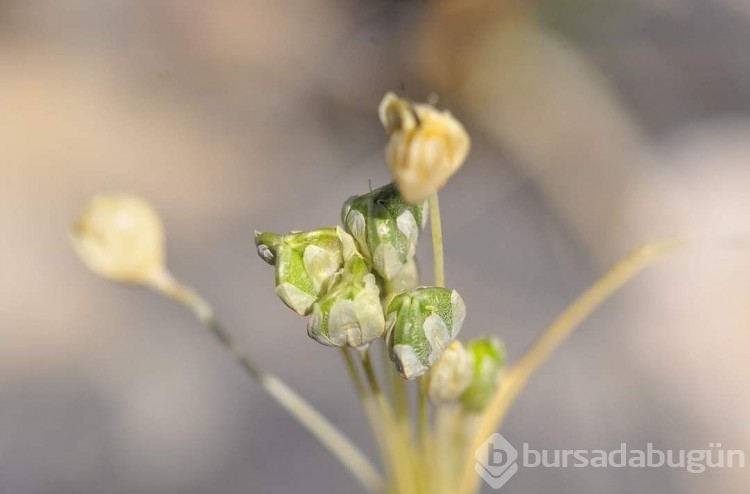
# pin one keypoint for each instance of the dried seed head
(121, 238)
(426, 146)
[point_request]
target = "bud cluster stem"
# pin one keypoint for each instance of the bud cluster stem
(307, 415)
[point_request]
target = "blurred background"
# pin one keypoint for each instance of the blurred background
(596, 125)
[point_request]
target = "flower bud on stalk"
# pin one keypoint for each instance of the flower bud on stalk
(488, 356)
(121, 238)
(305, 263)
(420, 324)
(451, 375)
(385, 227)
(349, 314)
(426, 146)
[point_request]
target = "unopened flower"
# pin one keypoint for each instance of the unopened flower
(121, 238)
(451, 374)
(305, 263)
(488, 356)
(349, 314)
(385, 227)
(426, 146)
(420, 324)
(406, 279)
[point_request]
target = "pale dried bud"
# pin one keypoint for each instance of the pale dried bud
(451, 375)
(426, 146)
(420, 324)
(120, 237)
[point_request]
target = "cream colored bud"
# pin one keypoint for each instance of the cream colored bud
(120, 237)
(426, 147)
(451, 375)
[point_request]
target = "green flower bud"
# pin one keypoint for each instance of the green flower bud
(305, 262)
(451, 374)
(488, 356)
(385, 227)
(420, 324)
(349, 314)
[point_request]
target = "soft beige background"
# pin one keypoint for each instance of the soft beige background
(596, 125)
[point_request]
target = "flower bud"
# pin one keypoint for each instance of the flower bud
(349, 314)
(420, 324)
(488, 357)
(305, 262)
(385, 227)
(451, 374)
(406, 279)
(426, 146)
(120, 237)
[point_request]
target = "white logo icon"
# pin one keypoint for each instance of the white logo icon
(496, 461)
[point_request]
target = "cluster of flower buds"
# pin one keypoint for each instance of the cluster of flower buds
(386, 228)
(338, 275)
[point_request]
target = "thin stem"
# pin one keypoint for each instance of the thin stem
(516, 378)
(351, 369)
(436, 228)
(310, 418)
(423, 417)
(372, 378)
(400, 398)
(402, 457)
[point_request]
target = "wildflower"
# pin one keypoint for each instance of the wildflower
(349, 314)
(451, 374)
(385, 228)
(305, 263)
(426, 146)
(488, 356)
(420, 324)
(121, 238)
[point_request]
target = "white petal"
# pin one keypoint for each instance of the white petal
(320, 265)
(297, 300)
(458, 309)
(408, 363)
(343, 326)
(386, 261)
(408, 225)
(437, 334)
(369, 311)
(356, 223)
(315, 329)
